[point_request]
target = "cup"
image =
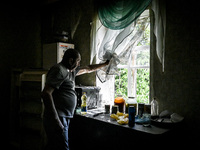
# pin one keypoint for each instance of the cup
(107, 109)
(147, 108)
(115, 109)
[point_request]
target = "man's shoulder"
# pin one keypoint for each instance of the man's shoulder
(63, 69)
(58, 67)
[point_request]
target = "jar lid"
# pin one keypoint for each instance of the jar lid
(131, 100)
(119, 100)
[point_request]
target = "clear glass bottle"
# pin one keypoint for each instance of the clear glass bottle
(154, 107)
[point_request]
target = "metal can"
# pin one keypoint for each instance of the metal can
(131, 113)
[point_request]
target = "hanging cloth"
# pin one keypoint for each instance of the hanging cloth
(122, 34)
(117, 46)
(159, 9)
(118, 14)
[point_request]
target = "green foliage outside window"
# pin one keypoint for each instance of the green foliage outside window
(142, 85)
(121, 83)
(142, 89)
(142, 78)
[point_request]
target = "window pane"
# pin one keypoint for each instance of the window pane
(142, 85)
(142, 58)
(132, 84)
(121, 83)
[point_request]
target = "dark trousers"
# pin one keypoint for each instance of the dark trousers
(57, 140)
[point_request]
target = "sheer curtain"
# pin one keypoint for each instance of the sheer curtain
(158, 7)
(116, 44)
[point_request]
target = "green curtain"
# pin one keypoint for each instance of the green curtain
(118, 14)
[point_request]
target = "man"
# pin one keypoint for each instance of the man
(59, 97)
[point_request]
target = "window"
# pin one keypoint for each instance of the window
(132, 79)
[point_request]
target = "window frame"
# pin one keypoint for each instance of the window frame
(129, 67)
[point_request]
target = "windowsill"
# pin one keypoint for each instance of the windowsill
(105, 118)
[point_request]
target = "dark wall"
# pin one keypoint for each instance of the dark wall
(74, 17)
(177, 88)
(24, 27)
(20, 47)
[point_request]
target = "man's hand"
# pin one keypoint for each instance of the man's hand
(107, 62)
(58, 125)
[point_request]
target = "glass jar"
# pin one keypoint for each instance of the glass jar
(132, 102)
(120, 102)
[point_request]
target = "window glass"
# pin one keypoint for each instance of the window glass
(142, 85)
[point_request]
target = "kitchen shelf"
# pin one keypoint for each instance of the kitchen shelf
(31, 107)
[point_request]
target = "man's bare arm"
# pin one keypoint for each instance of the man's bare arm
(91, 68)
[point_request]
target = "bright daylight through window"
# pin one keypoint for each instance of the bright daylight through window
(132, 79)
